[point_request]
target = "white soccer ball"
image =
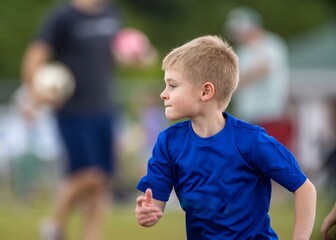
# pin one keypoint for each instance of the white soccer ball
(53, 83)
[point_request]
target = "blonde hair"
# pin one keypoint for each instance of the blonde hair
(207, 59)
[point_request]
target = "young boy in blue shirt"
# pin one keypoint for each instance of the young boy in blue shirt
(220, 166)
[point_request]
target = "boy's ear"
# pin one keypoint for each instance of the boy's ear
(208, 91)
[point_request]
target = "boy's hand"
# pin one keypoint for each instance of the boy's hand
(147, 214)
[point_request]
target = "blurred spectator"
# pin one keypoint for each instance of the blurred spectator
(30, 145)
(262, 94)
(329, 166)
(80, 35)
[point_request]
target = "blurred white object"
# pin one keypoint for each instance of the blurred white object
(34, 132)
(53, 83)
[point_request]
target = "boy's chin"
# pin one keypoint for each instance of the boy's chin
(171, 117)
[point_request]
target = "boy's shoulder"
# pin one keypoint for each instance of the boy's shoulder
(244, 134)
(177, 127)
(236, 125)
(241, 126)
(173, 136)
(175, 130)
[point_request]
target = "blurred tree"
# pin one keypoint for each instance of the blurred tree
(171, 22)
(167, 23)
(18, 21)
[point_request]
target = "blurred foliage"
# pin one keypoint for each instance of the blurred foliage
(18, 22)
(167, 23)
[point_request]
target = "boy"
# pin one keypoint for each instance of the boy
(220, 167)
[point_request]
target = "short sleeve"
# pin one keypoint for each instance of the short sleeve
(160, 173)
(274, 160)
(51, 29)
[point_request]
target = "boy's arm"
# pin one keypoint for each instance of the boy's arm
(148, 210)
(305, 208)
(328, 223)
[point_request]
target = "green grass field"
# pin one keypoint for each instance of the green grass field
(20, 221)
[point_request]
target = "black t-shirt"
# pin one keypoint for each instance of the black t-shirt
(83, 42)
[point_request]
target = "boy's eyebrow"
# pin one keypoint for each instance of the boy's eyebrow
(169, 80)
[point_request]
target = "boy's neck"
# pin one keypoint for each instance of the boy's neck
(209, 125)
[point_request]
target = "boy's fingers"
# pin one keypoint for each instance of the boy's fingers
(140, 200)
(149, 196)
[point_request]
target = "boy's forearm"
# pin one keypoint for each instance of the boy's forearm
(305, 209)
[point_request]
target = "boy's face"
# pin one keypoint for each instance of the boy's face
(181, 97)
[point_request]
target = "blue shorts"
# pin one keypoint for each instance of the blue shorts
(88, 139)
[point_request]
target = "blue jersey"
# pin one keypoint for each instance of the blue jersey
(223, 182)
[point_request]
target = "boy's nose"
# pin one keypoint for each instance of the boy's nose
(163, 95)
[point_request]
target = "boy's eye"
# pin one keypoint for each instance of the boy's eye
(172, 86)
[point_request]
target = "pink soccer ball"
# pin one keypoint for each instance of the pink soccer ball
(130, 46)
